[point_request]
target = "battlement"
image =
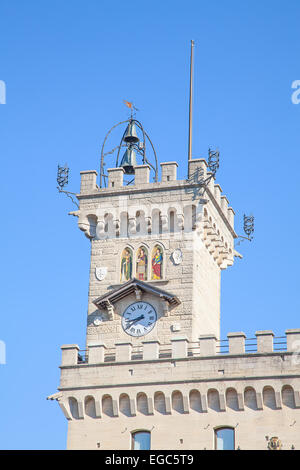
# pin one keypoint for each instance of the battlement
(180, 348)
(238, 374)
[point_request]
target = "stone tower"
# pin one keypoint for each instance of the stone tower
(153, 373)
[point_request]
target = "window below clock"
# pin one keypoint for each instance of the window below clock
(141, 440)
(224, 438)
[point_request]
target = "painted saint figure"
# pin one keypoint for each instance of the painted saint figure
(126, 265)
(157, 261)
(141, 264)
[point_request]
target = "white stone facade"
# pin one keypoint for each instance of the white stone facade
(175, 382)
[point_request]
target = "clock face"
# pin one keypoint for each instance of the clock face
(139, 319)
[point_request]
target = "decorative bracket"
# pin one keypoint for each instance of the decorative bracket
(110, 310)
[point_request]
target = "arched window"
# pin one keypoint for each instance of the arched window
(195, 401)
(250, 398)
(142, 403)
(142, 263)
(90, 406)
(269, 397)
(177, 402)
(141, 440)
(157, 260)
(108, 226)
(172, 220)
(232, 399)
(73, 404)
(213, 400)
(107, 406)
(126, 265)
(160, 403)
(92, 220)
(224, 438)
(124, 404)
(288, 397)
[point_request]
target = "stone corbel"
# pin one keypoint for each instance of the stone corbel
(138, 294)
(165, 308)
(85, 223)
(226, 262)
(110, 310)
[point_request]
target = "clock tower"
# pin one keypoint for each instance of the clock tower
(152, 374)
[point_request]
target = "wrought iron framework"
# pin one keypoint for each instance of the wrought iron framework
(63, 180)
(248, 228)
(139, 147)
(213, 163)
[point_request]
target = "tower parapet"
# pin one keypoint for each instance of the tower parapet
(148, 387)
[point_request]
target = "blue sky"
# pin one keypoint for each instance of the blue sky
(67, 67)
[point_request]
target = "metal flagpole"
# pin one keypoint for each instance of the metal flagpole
(191, 101)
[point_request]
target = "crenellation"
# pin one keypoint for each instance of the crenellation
(217, 193)
(141, 175)
(168, 172)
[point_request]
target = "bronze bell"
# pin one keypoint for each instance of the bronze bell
(129, 161)
(130, 134)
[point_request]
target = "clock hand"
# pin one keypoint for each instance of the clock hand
(135, 319)
(131, 322)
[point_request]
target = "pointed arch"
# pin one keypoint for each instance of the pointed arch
(157, 262)
(126, 264)
(141, 263)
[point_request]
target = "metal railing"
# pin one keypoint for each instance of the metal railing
(165, 351)
(82, 357)
(280, 342)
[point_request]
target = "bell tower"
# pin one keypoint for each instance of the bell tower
(160, 244)
(157, 252)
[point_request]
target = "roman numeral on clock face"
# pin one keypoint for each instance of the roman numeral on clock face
(139, 319)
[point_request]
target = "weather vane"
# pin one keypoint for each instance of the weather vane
(131, 106)
(63, 180)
